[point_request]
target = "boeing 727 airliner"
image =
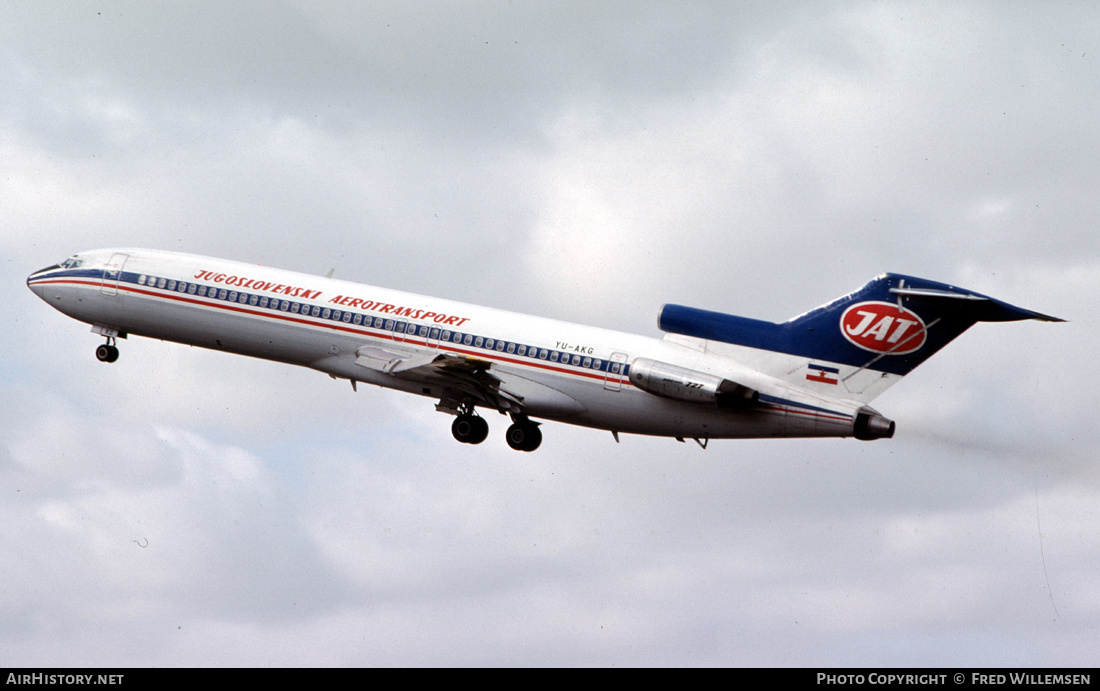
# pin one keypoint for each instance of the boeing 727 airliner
(712, 376)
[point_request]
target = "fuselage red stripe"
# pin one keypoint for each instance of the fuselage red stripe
(382, 335)
(385, 337)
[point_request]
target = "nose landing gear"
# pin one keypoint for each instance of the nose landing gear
(107, 352)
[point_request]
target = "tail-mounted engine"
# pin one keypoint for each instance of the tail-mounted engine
(692, 386)
(869, 424)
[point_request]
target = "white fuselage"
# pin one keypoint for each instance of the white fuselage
(549, 369)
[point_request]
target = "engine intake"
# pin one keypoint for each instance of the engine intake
(692, 386)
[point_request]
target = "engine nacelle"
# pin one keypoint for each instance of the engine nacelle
(870, 425)
(692, 386)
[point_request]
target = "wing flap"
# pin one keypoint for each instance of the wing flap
(468, 377)
(429, 363)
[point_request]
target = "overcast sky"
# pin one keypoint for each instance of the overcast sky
(584, 161)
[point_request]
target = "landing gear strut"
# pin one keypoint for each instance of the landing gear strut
(470, 429)
(107, 352)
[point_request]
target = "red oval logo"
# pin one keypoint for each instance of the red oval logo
(883, 327)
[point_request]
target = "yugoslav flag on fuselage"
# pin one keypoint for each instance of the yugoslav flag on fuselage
(892, 324)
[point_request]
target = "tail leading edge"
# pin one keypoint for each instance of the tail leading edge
(888, 327)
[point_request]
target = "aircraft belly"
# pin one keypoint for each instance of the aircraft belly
(539, 399)
(213, 328)
(637, 412)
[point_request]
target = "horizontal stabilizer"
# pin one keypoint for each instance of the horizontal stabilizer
(997, 310)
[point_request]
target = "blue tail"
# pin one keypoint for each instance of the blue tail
(892, 324)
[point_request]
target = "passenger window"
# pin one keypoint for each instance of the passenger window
(587, 362)
(294, 307)
(141, 278)
(468, 340)
(543, 353)
(232, 296)
(489, 343)
(222, 293)
(434, 334)
(389, 325)
(522, 350)
(511, 347)
(554, 357)
(244, 298)
(358, 319)
(171, 285)
(316, 311)
(191, 289)
(596, 364)
(446, 336)
(347, 317)
(500, 346)
(182, 287)
(161, 283)
(202, 291)
(478, 342)
(254, 300)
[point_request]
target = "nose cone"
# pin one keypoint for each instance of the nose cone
(37, 281)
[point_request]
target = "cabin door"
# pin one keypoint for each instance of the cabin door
(112, 273)
(613, 379)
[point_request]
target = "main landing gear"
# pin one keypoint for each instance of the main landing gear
(470, 429)
(107, 352)
(522, 435)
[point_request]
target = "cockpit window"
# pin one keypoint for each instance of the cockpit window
(72, 262)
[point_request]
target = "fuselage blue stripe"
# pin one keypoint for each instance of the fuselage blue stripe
(383, 335)
(128, 282)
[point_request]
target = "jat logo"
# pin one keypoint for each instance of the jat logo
(883, 327)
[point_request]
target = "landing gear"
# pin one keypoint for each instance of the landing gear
(107, 352)
(470, 429)
(524, 435)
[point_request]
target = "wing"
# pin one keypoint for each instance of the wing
(471, 381)
(464, 378)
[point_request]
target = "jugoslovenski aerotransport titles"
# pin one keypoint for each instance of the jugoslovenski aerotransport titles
(712, 375)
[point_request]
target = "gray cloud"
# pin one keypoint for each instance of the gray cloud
(581, 162)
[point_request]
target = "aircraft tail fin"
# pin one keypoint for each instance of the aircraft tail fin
(863, 341)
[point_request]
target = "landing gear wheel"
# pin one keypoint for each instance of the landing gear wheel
(470, 429)
(106, 353)
(524, 436)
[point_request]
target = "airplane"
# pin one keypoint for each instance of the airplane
(711, 376)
